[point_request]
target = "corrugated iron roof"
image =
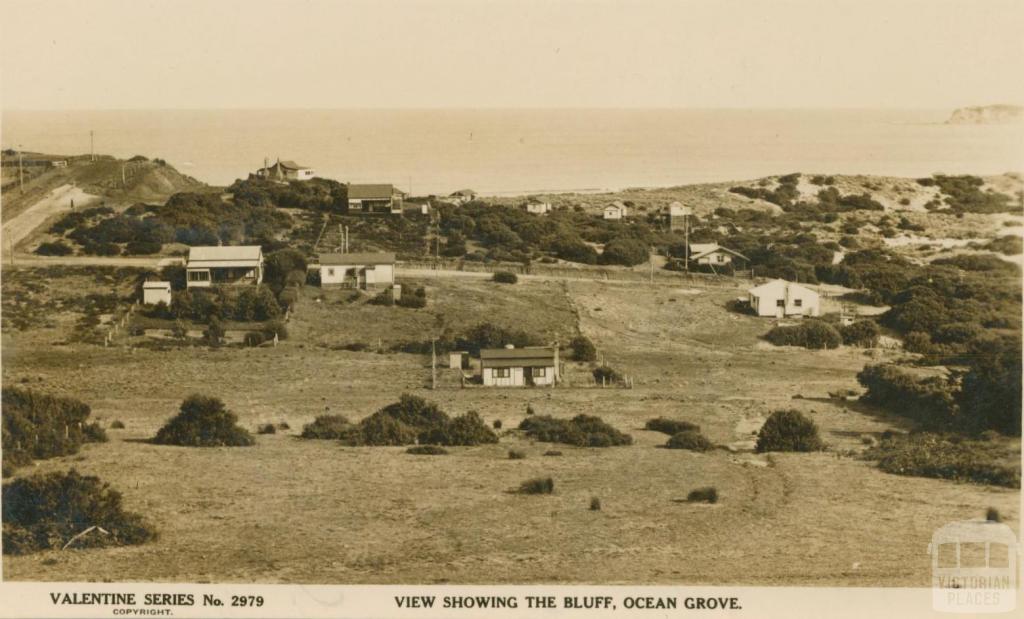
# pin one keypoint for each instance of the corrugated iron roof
(235, 253)
(380, 191)
(535, 352)
(358, 258)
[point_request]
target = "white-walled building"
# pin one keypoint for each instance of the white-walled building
(713, 254)
(286, 171)
(375, 198)
(537, 207)
(213, 265)
(519, 367)
(154, 292)
(357, 270)
(615, 210)
(779, 298)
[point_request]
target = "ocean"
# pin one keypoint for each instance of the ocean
(498, 152)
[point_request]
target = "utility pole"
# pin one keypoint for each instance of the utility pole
(124, 183)
(652, 264)
(686, 233)
(92, 150)
(21, 172)
(433, 363)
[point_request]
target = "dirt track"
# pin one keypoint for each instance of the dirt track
(56, 201)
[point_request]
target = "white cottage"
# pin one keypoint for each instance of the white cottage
(615, 210)
(537, 207)
(208, 265)
(286, 171)
(519, 367)
(713, 254)
(779, 298)
(154, 292)
(357, 270)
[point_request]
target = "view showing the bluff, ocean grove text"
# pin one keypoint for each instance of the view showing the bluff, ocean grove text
(330, 339)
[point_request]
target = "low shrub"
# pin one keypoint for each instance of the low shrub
(992, 515)
(605, 374)
(467, 430)
(812, 334)
(117, 425)
(254, 338)
(496, 424)
(708, 494)
(538, 485)
(505, 277)
(583, 349)
(47, 511)
(267, 428)
(595, 504)
(670, 426)
(516, 454)
(930, 400)
(38, 426)
(57, 248)
(94, 433)
(944, 456)
(415, 300)
(427, 450)
(381, 429)
(283, 426)
(581, 430)
(692, 440)
(327, 427)
(552, 453)
(788, 430)
(203, 422)
(864, 333)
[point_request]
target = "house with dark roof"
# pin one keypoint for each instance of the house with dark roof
(285, 171)
(519, 367)
(375, 198)
(361, 270)
(714, 254)
(208, 266)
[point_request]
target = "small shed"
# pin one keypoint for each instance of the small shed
(455, 358)
(154, 292)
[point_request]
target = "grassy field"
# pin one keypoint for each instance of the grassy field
(296, 511)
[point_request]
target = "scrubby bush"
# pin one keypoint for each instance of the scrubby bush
(497, 424)
(864, 333)
(788, 430)
(708, 494)
(539, 485)
(670, 426)
(117, 425)
(552, 453)
(583, 349)
(595, 504)
(930, 400)
(813, 334)
(94, 433)
(606, 374)
(691, 439)
(516, 454)
(627, 251)
(267, 428)
(489, 335)
(581, 430)
(505, 277)
(254, 338)
(39, 426)
(57, 248)
(203, 422)
(142, 248)
(943, 456)
(427, 450)
(467, 430)
(47, 511)
(381, 430)
(416, 299)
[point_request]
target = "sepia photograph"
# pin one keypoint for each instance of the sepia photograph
(461, 300)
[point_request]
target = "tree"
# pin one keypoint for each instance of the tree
(624, 250)
(455, 245)
(583, 349)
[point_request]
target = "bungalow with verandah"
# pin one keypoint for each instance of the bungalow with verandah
(375, 198)
(209, 266)
(358, 270)
(714, 254)
(519, 367)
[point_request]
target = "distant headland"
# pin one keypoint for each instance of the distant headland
(987, 115)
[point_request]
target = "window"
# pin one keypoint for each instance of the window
(501, 372)
(539, 372)
(719, 258)
(198, 276)
(330, 272)
(780, 303)
(798, 303)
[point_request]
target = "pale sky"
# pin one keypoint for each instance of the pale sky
(145, 54)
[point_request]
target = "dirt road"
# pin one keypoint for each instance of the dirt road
(56, 201)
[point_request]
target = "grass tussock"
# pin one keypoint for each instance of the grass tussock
(538, 485)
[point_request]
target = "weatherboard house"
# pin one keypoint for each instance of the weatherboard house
(519, 367)
(615, 210)
(779, 298)
(235, 265)
(714, 254)
(360, 270)
(285, 171)
(375, 198)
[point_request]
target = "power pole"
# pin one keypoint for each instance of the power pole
(433, 363)
(652, 265)
(92, 150)
(21, 172)
(686, 233)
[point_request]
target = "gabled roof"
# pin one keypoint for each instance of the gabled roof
(357, 258)
(699, 250)
(535, 356)
(778, 286)
(463, 192)
(291, 165)
(225, 253)
(155, 285)
(373, 191)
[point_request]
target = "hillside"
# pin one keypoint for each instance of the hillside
(987, 114)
